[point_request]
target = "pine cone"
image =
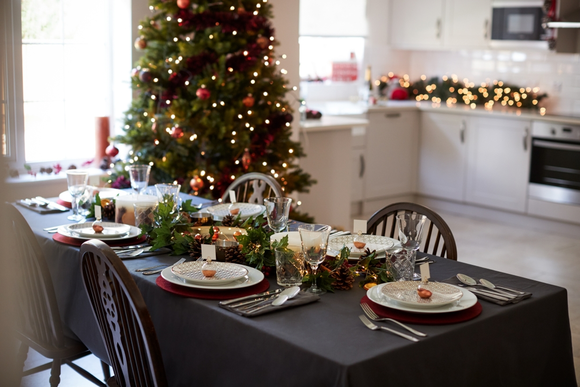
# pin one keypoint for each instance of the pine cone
(233, 254)
(367, 253)
(228, 221)
(108, 211)
(343, 278)
(195, 248)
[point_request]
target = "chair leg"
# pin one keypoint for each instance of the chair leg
(55, 373)
(22, 355)
(106, 370)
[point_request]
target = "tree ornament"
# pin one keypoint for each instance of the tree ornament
(399, 94)
(196, 183)
(145, 76)
(135, 72)
(246, 159)
(262, 42)
(112, 151)
(183, 4)
(248, 101)
(154, 127)
(140, 43)
(176, 132)
(203, 93)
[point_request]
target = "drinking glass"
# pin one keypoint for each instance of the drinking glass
(277, 210)
(168, 193)
(77, 184)
(410, 227)
(314, 238)
(402, 264)
(289, 267)
(139, 175)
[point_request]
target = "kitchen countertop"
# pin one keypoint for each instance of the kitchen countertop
(360, 109)
(330, 122)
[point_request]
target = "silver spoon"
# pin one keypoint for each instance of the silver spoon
(467, 280)
(490, 285)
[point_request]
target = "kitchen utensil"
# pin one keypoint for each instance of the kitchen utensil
(268, 293)
(286, 295)
(374, 327)
(150, 268)
(159, 271)
(132, 253)
(467, 280)
(375, 317)
(490, 285)
(50, 204)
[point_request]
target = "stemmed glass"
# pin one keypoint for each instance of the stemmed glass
(314, 238)
(139, 175)
(77, 184)
(277, 210)
(410, 227)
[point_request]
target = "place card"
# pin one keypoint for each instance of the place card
(208, 251)
(98, 212)
(425, 274)
(232, 196)
(359, 226)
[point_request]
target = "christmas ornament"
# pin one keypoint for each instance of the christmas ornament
(246, 159)
(154, 127)
(203, 93)
(135, 72)
(176, 132)
(145, 76)
(399, 94)
(183, 4)
(196, 183)
(112, 151)
(140, 43)
(248, 101)
(262, 42)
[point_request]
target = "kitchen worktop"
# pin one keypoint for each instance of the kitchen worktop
(331, 122)
(359, 109)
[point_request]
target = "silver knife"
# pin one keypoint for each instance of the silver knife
(233, 300)
(130, 247)
(51, 204)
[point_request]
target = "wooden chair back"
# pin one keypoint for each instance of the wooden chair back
(124, 321)
(253, 187)
(437, 236)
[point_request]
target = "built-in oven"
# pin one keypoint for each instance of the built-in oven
(555, 163)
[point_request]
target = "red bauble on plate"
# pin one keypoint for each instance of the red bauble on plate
(183, 4)
(112, 151)
(203, 93)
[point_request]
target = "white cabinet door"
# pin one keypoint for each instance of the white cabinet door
(442, 155)
(498, 163)
(391, 153)
(416, 23)
(467, 23)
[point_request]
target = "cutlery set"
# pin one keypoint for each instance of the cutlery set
(370, 314)
(41, 202)
(485, 288)
(252, 304)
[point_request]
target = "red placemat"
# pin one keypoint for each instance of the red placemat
(77, 242)
(262, 286)
(425, 318)
(63, 203)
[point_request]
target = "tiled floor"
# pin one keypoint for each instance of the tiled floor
(542, 256)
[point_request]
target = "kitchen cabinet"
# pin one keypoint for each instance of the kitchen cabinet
(498, 163)
(358, 163)
(442, 155)
(391, 153)
(429, 24)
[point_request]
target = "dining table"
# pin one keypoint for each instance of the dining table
(324, 343)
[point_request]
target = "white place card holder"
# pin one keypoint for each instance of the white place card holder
(359, 226)
(425, 274)
(208, 251)
(232, 196)
(98, 212)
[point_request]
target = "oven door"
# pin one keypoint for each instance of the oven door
(555, 171)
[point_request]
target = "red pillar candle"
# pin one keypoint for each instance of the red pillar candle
(102, 134)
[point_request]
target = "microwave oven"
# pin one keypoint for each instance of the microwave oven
(517, 23)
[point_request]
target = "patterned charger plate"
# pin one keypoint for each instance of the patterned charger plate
(373, 242)
(225, 272)
(405, 292)
(245, 210)
(110, 230)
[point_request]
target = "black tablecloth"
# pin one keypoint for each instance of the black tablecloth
(324, 343)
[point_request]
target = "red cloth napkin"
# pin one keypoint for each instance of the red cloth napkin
(63, 203)
(425, 318)
(77, 242)
(262, 286)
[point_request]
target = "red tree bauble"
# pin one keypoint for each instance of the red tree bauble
(246, 159)
(248, 101)
(399, 94)
(112, 151)
(203, 93)
(140, 43)
(145, 76)
(176, 132)
(262, 41)
(135, 72)
(183, 4)
(196, 183)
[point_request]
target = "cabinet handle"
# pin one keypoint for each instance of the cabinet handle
(485, 28)
(392, 115)
(526, 132)
(438, 27)
(362, 166)
(462, 131)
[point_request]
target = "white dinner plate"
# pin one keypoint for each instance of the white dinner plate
(104, 193)
(373, 242)
(467, 301)
(110, 230)
(254, 277)
(246, 210)
(133, 232)
(405, 293)
(225, 272)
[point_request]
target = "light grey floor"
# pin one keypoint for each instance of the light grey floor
(542, 256)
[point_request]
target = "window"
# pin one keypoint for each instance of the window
(59, 59)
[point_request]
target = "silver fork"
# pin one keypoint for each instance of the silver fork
(374, 327)
(373, 316)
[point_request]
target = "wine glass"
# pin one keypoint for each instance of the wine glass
(277, 210)
(314, 238)
(139, 176)
(410, 227)
(77, 184)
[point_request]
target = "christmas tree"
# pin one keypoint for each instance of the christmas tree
(210, 102)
